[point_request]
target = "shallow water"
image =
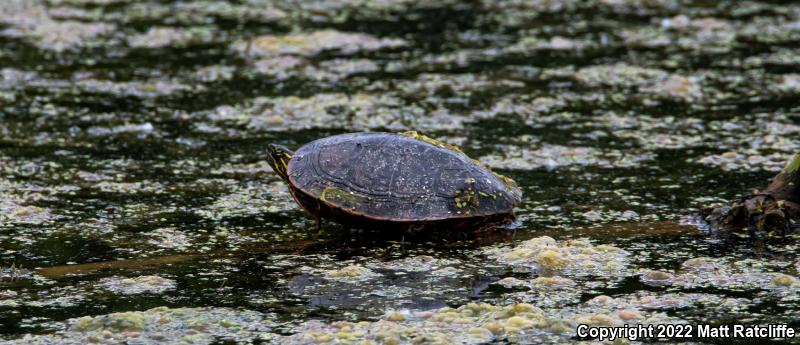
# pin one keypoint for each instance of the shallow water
(132, 170)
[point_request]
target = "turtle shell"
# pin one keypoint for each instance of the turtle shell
(398, 177)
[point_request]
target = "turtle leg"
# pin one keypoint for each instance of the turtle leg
(319, 222)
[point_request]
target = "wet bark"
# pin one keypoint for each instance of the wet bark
(775, 210)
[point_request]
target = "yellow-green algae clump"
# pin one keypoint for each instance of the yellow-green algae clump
(160, 325)
(473, 323)
(351, 273)
(577, 257)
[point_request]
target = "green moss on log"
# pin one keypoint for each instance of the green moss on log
(794, 164)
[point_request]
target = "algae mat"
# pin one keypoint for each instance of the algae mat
(136, 204)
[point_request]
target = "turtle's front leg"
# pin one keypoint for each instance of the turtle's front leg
(319, 222)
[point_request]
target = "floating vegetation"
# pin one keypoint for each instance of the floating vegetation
(30, 19)
(169, 238)
(362, 111)
(352, 273)
(737, 276)
(133, 137)
(553, 156)
(157, 37)
(162, 324)
(15, 208)
(572, 258)
(313, 43)
(473, 323)
(250, 201)
(137, 285)
(648, 81)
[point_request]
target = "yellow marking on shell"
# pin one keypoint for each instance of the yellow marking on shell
(509, 182)
(467, 197)
(333, 194)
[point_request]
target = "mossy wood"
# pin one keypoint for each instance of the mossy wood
(776, 209)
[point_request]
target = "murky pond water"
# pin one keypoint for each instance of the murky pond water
(136, 203)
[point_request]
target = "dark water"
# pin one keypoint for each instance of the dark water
(133, 136)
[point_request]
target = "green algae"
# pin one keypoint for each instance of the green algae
(314, 43)
(357, 111)
(31, 20)
(573, 257)
(134, 133)
(253, 199)
(473, 323)
(140, 284)
(156, 37)
(161, 325)
(352, 273)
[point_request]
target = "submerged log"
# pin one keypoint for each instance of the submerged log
(775, 210)
(56, 272)
(64, 271)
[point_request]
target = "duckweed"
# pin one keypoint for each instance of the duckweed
(132, 170)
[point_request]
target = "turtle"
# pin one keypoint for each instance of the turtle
(394, 181)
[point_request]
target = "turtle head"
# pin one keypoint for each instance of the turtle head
(279, 157)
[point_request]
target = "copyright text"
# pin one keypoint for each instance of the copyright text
(637, 332)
